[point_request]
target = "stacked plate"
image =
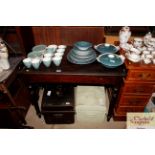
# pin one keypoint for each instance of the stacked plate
(81, 53)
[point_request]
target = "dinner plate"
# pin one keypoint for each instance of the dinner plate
(82, 52)
(84, 56)
(81, 60)
(110, 60)
(74, 61)
(106, 48)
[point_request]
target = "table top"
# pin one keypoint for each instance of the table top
(68, 68)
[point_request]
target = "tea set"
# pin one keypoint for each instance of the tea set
(46, 55)
(140, 49)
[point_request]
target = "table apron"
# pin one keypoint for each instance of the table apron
(76, 79)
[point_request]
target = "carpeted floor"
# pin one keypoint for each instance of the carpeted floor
(91, 109)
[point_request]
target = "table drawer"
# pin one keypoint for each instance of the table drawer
(128, 100)
(148, 75)
(124, 109)
(138, 88)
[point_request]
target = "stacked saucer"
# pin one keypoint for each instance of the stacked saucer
(81, 53)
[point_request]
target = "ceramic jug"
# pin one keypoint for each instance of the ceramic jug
(124, 35)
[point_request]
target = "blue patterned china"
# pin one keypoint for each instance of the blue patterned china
(34, 54)
(82, 53)
(110, 60)
(83, 45)
(39, 48)
(37, 51)
(81, 59)
(77, 51)
(81, 62)
(106, 48)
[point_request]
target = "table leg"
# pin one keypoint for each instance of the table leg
(34, 91)
(112, 93)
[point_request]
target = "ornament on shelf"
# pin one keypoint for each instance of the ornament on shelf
(124, 35)
(4, 62)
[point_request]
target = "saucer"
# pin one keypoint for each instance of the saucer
(133, 59)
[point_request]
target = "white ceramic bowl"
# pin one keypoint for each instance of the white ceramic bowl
(36, 63)
(57, 60)
(59, 54)
(62, 46)
(60, 50)
(27, 62)
(48, 54)
(47, 61)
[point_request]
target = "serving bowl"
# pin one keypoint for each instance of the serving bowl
(110, 60)
(83, 45)
(106, 48)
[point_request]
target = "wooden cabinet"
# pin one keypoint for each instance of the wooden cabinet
(14, 97)
(137, 89)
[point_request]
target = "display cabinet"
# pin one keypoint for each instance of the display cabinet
(14, 97)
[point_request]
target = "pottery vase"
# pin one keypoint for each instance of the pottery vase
(124, 35)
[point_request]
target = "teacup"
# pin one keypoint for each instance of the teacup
(57, 60)
(147, 60)
(153, 53)
(149, 56)
(153, 61)
(62, 46)
(27, 62)
(47, 61)
(146, 52)
(143, 56)
(36, 63)
(48, 54)
(135, 50)
(134, 57)
(51, 49)
(137, 42)
(59, 54)
(60, 50)
(53, 46)
(152, 42)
